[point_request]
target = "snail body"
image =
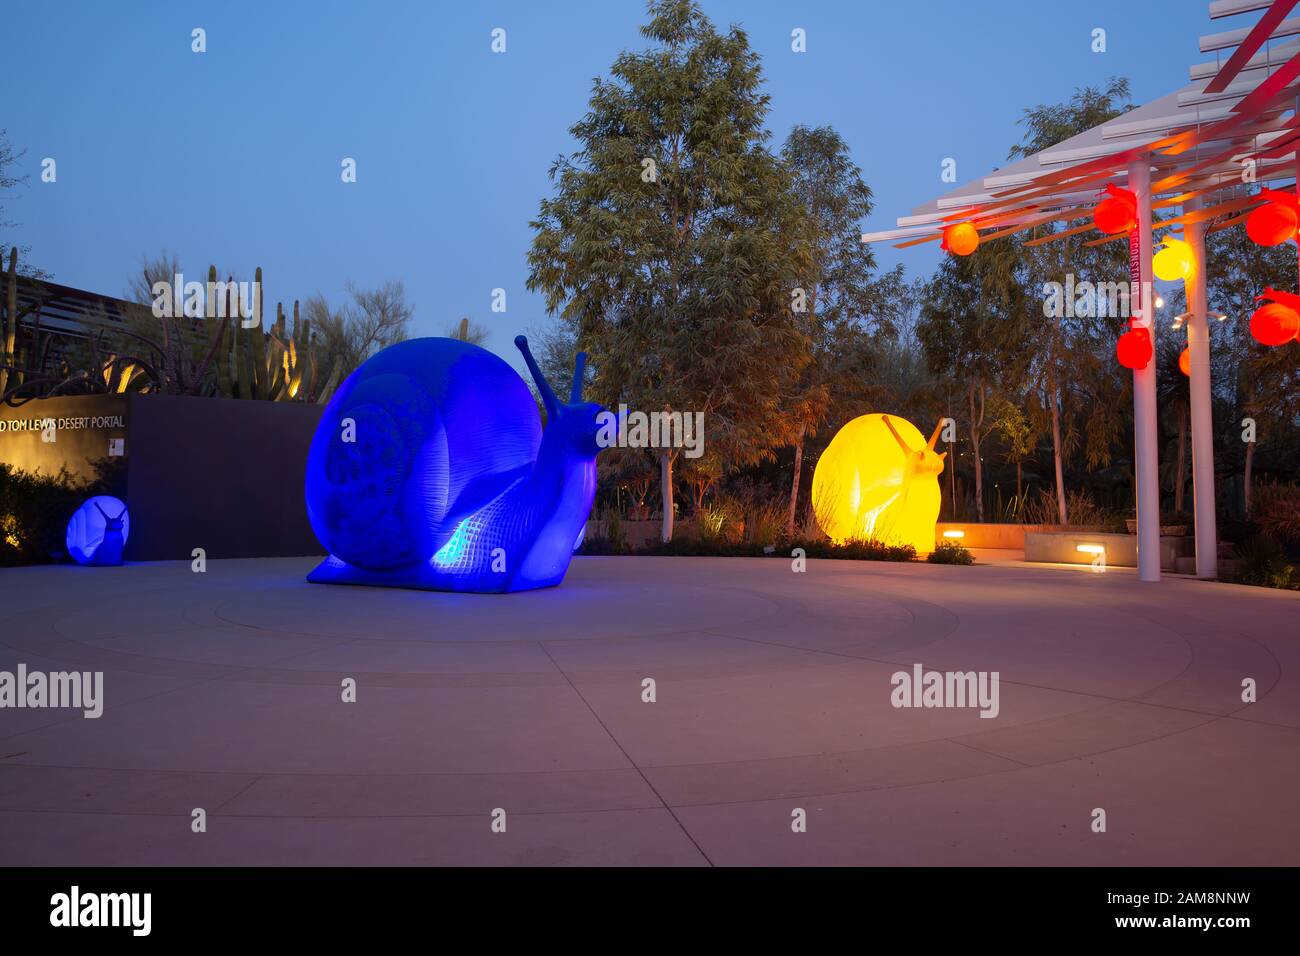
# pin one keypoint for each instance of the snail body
(879, 479)
(430, 469)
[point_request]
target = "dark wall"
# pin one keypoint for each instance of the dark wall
(224, 475)
(220, 474)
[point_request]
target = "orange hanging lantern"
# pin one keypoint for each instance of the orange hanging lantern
(1278, 322)
(1274, 222)
(1118, 213)
(1134, 349)
(961, 239)
(1185, 362)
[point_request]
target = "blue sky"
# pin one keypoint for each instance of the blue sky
(233, 156)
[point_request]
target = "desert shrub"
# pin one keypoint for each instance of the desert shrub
(1263, 562)
(1275, 508)
(950, 552)
(720, 520)
(34, 513)
(613, 540)
(765, 523)
(1080, 508)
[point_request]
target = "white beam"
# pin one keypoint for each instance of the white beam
(1198, 346)
(1231, 38)
(1230, 8)
(1145, 433)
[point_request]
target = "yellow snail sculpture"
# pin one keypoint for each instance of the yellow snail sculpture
(879, 479)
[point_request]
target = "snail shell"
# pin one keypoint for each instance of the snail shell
(440, 427)
(866, 485)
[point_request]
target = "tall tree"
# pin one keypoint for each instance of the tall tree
(1054, 368)
(837, 301)
(9, 179)
(973, 327)
(667, 242)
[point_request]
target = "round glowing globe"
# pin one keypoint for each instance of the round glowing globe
(1134, 349)
(1185, 362)
(98, 531)
(961, 239)
(1271, 224)
(1274, 324)
(1174, 261)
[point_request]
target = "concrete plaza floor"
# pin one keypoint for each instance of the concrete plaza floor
(223, 692)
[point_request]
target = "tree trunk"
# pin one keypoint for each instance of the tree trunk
(1179, 471)
(666, 493)
(975, 423)
(1056, 455)
(1250, 462)
(1020, 501)
(794, 485)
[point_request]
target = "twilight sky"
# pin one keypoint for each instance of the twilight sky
(233, 156)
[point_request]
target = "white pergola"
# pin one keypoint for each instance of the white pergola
(1197, 150)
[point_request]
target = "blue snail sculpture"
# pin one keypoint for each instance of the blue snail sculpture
(95, 537)
(430, 469)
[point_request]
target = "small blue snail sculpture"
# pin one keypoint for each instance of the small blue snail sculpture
(430, 469)
(95, 537)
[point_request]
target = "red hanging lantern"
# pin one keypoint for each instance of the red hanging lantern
(1278, 322)
(1271, 224)
(1134, 349)
(1274, 324)
(1185, 362)
(1118, 213)
(961, 239)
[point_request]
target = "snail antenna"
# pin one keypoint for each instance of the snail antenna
(579, 367)
(897, 437)
(934, 439)
(544, 387)
(101, 510)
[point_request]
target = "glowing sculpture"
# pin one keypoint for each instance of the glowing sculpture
(98, 531)
(1118, 213)
(961, 239)
(1174, 261)
(1278, 322)
(1185, 362)
(1274, 222)
(879, 478)
(430, 469)
(1134, 349)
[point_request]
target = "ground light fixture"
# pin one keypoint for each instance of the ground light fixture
(954, 534)
(1090, 548)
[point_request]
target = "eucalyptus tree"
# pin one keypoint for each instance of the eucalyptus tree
(1065, 365)
(972, 327)
(669, 243)
(838, 301)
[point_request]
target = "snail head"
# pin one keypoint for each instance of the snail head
(574, 423)
(920, 461)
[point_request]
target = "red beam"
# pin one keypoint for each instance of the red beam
(1248, 47)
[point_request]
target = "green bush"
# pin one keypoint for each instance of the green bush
(1263, 563)
(950, 552)
(34, 513)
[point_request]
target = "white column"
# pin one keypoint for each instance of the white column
(1146, 436)
(1198, 344)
